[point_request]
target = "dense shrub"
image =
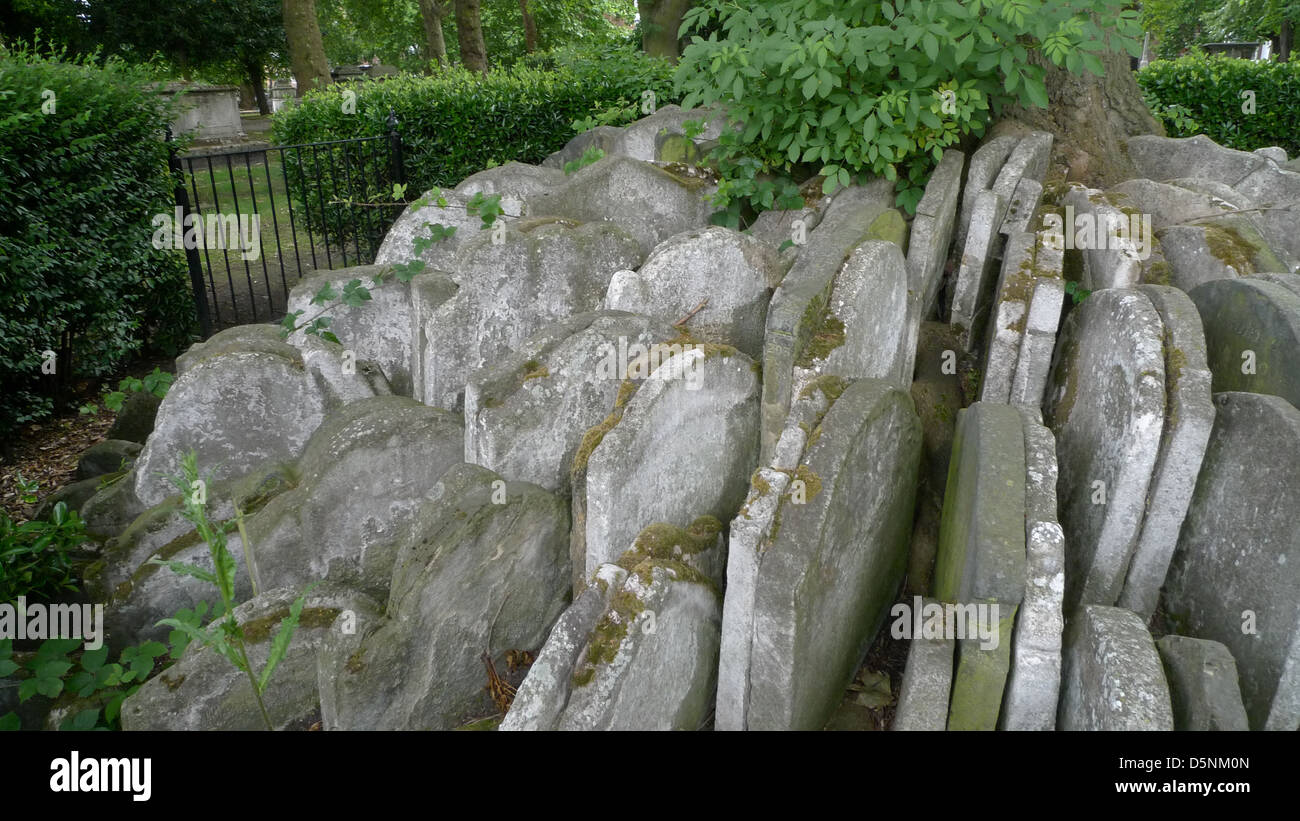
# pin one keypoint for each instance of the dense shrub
(1208, 90)
(456, 123)
(82, 173)
(853, 87)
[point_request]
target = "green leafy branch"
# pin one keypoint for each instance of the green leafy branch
(156, 382)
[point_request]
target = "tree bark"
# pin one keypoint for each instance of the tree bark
(1091, 118)
(660, 20)
(257, 79)
(306, 51)
(530, 28)
(1284, 39)
(469, 33)
(435, 45)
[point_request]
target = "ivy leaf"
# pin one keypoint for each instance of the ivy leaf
(10, 722)
(324, 295)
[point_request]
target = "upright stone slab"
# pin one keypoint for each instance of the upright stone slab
(1234, 577)
(932, 232)
(1113, 679)
(633, 676)
(1034, 682)
(831, 569)
(544, 693)
(650, 203)
(1203, 684)
(927, 683)
(985, 164)
(867, 301)
(1106, 406)
(981, 557)
(399, 243)
(476, 579)
(685, 445)
(978, 259)
(1165, 158)
(526, 414)
(241, 399)
(725, 272)
(363, 476)
(204, 691)
(797, 311)
(1252, 336)
(1277, 192)
(1008, 318)
(1043, 320)
(510, 291)
(1025, 166)
(516, 182)
(1103, 233)
(1189, 415)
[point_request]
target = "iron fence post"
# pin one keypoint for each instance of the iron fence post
(191, 254)
(395, 145)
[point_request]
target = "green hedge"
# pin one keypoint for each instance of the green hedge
(457, 123)
(78, 188)
(1209, 91)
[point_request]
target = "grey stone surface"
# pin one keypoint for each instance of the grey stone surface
(380, 330)
(651, 662)
(869, 297)
(639, 140)
(1189, 415)
(1203, 686)
(363, 476)
(982, 534)
(927, 682)
(512, 290)
(1234, 576)
(1112, 678)
(776, 227)
(1165, 158)
(526, 413)
(603, 137)
(725, 270)
(134, 422)
(1014, 183)
(1008, 318)
(477, 579)
(1247, 319)
(1192, 261)
(516, 183)
(932, 233)
(204, 691)
(1034, 681)
(544, 693)
(1275, 153)
(1289, 281)
(828, 574)
(1168, 204)
(1042, 321)
(108, 456)
(1111, 254)
(678, 452)
(985, 164)
(399, 243)
(1106, 406)
(650, 203)
(795, 313)
(1277, 193)
(978, 261)
(241, 399)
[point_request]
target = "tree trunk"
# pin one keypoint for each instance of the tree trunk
(435, 45)
(257, 79)
(660, 20)
(1284, 38)
(469, 33)
(530, 28)
(306, 51)
(1091, 118)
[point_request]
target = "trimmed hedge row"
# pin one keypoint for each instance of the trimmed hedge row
(83, 169)
(456, 123)
(1210, 91)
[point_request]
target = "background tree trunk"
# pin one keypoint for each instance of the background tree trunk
(435, 45)
(1284, 39)
(469, 33)
(306, 52)
(530, 28)
(257, 79)
(1091, 118)
(660, 20)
